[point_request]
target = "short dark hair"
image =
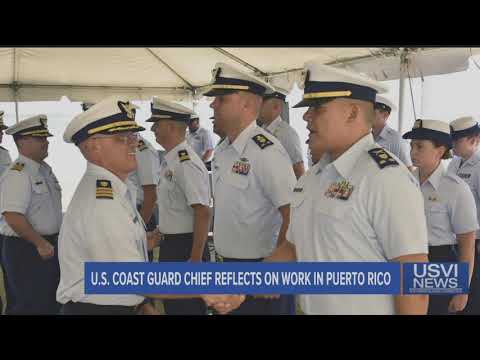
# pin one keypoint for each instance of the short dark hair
(447, 154)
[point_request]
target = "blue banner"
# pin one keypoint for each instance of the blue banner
(242, 278)
(435, 278)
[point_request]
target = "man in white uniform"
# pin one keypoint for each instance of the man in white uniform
(385, 136)
(358, 203)
(102, 222)
(252, 177)
(31, 209)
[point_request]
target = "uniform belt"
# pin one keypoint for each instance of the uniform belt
(185, 236)
(52, 239)
(443, 249)
(227, 259)
(81, 308)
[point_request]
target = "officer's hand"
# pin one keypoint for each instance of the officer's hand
(458, 303)
(195, 259)
(224, 304)
(153, 239)
(46, 250)
(148, 309)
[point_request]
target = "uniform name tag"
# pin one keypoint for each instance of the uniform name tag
(340, 190)
(297, 190)
(464, 176)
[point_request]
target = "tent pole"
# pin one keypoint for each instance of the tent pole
(16, 110)
(401, 98)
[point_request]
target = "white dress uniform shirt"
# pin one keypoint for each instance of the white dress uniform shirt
(469, 171)
(288, 138)
(5, 160)
(251, 180)
(183, 182)
(449, 207)
(392, 141)
(30, 188)
(352, 210)
(200, 141)
(101, 224)
(148, 168)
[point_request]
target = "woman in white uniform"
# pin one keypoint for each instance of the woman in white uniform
(449, 206)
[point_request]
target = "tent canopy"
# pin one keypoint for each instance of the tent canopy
(90, 74)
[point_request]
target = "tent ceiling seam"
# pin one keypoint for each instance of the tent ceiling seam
(240, 61)
(191, 87)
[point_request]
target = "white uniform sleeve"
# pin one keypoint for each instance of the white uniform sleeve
(276, 176)
(145, 167)
(111, 238)
(194, 183)
(293, 147)
(463, 211)
(476, 184)
(396, 209)
(404, 153)
(15, 193)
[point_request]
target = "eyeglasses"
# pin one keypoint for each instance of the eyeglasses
(125, 138)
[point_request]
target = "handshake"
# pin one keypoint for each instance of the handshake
(223, 304)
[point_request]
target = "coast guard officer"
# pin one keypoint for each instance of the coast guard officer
(183, 196)
(252, 177)
(388, 138)
(200, 139)
(449, 206)
(145, 179)
(353, 204)
(31, 208)
(466, 164)
(102, 222)
(270, 120)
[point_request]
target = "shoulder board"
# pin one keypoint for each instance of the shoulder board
(262, 141)
(183, 155)
(104, 189)
(18, 166)
(382, 158)
(1, 147)
(141, 145)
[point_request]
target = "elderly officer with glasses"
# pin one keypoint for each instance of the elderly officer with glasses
(102, 222)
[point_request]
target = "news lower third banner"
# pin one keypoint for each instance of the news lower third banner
(275, 278)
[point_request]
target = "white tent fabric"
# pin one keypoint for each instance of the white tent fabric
(90, 74)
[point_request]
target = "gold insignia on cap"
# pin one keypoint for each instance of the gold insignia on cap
(327, 94)
(114, 126)
(382, 158)
(216, 72)
(183, 155)
(127, 108)
(229, 87)
(141, 145)
(18, 166)
(417, 124)
(104, 190)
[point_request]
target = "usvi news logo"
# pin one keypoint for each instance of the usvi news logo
(435, 278)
